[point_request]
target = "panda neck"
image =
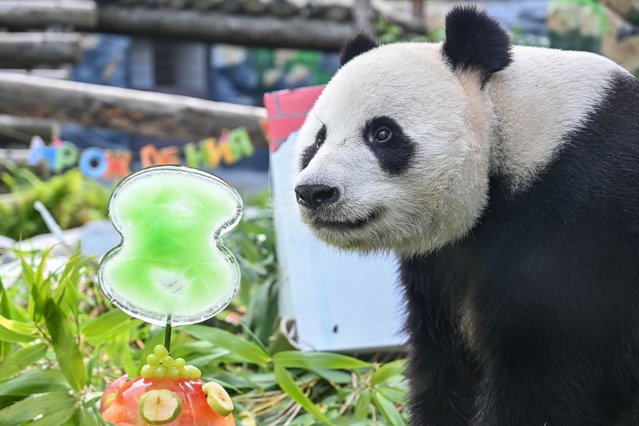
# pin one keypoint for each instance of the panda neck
(536, 101)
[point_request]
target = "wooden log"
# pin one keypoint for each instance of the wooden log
(133, 111)
(283, 8)
(222, 28)
(22, 128)
(28, 50)
(21, 14)
(254, 7)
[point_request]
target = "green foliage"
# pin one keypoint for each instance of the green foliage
(61, 343)
(388, 32)
(72, 199)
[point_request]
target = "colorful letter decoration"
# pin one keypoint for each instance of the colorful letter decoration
(171, 266)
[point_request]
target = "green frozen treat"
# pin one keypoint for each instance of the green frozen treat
(170, 263)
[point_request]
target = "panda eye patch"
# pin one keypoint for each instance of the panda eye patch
(320, 137)
(311, 149)
(382, 134)
(389, 143)
(381, 130)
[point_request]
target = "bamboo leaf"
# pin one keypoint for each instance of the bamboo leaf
(54, 408)
(334, 376)
(87, 417)
(122, 343)
(237, 380)
(315, 360)
(247, 351)
(288, 385)
(394, 393)
(108, 325)
(16, 331)
(388, 410)
(363, 405)
(36, 301)
(392, 369)
(66, 346)
(38, 286)
(8, 308)
(6, 400)
(44, 256)
(66, 294)
(20, 359)
(352, 422)
(35, 381)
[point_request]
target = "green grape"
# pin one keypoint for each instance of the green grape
(152, 360)
(147, 371)
(160, 371)
(174, 373)
(183, 373)
(160, 351)
(168, 362)
(198, 373)
(193, 372)
(180, 363)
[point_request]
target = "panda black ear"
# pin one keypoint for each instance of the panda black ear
(356, 46)
(476, 42)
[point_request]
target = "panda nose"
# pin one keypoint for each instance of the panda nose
(314, 196)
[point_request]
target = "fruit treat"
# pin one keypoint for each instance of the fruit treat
(169, 392)
(170, 266)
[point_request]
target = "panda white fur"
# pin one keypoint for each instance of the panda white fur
(506, 179)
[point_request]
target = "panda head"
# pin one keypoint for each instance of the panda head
(394, 153)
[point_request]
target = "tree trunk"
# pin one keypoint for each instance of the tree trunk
(28, 50)
(133, 111)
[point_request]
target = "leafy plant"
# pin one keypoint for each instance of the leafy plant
(388, 32)
(72, 199)
(61, 342)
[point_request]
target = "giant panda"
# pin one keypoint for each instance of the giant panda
(505, 179)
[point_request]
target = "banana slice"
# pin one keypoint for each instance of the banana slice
(159, 406)
(218, 399)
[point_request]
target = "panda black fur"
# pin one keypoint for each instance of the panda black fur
(509, 190)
